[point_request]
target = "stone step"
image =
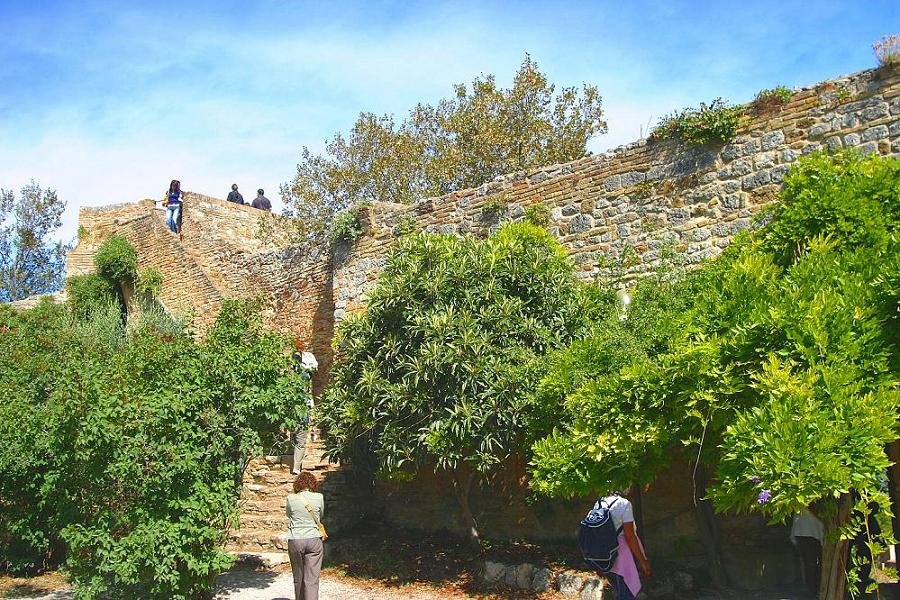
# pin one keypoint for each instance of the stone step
(268, 521)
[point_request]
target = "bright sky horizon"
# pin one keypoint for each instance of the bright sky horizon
(106, 102)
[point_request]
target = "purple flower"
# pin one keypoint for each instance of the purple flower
(754, 479)
(764, 497)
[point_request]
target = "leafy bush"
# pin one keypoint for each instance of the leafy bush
(713, 123)
(405, 225)
(345, 227)
(494, 207)
(777, 366)
(149, 283)
(538, 214)
(850, 198)
(85, 293)
(125, 457)
(437, 372)
(770, 100)
(116, 260)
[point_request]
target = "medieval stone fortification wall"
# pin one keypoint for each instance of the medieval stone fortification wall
(635, 199)
(640, 197)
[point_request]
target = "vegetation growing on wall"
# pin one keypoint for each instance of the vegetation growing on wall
(713, 123)
(461, 142)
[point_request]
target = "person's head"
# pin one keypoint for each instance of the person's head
(306, 481)
(175, 186)
(260, 192)
(233, 187)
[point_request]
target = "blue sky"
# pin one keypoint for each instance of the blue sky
(108, 101)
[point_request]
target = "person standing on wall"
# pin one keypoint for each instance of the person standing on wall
(305, 508)
(234, 195)
(173, 202)
(261, 201)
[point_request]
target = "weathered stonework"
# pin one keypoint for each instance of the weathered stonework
(645, 195)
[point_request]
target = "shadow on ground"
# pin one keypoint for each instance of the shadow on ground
(245, 577)
(398, 558)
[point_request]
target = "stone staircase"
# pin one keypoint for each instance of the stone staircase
(268, 481)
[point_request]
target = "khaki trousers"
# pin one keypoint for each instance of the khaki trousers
(306, 564)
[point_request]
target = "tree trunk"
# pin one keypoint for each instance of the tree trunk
(637, 504)
(462, 487)
(833, 585)
(709, 532)
(893, 453)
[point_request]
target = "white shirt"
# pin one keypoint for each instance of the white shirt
(620, 511)
(807, 525)
(308, 361)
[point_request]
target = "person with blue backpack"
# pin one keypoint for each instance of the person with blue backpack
(610, 545)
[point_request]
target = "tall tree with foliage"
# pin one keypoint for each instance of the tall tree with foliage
(436, 373)
(481, 132)
(781, 376)
(30, 262)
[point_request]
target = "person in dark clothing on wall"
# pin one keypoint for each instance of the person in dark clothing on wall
(234, 195)
(261, 201)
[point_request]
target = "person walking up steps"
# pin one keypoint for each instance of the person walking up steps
(306, 534)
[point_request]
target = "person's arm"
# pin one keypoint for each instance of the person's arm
(631, 539)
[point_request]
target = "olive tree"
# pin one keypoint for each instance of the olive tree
(437, 372)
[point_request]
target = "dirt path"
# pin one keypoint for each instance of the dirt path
(243, 584)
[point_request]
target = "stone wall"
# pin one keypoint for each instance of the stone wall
(640, 197)
(225, 251)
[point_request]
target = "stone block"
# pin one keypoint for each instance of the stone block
(596, 589)
(772, 140)
(524, 576)
(869, 148)
(819, 130)
(569, 584)
(755, 180)
(493, 571)
(875, 112)
(852, 139)
(542, 580)
(731, 152)
(613, 183)
(833, 143)
(875, 133)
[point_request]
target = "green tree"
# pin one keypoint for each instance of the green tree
(458, 143)
(30, 262)
(781, 372)
(436, 373)
(122, 448)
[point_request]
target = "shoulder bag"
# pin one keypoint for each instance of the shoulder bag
(313, 515)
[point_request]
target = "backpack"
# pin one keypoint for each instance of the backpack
(598, 537)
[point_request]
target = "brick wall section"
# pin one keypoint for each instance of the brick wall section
(646, 194)
(222, 255)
